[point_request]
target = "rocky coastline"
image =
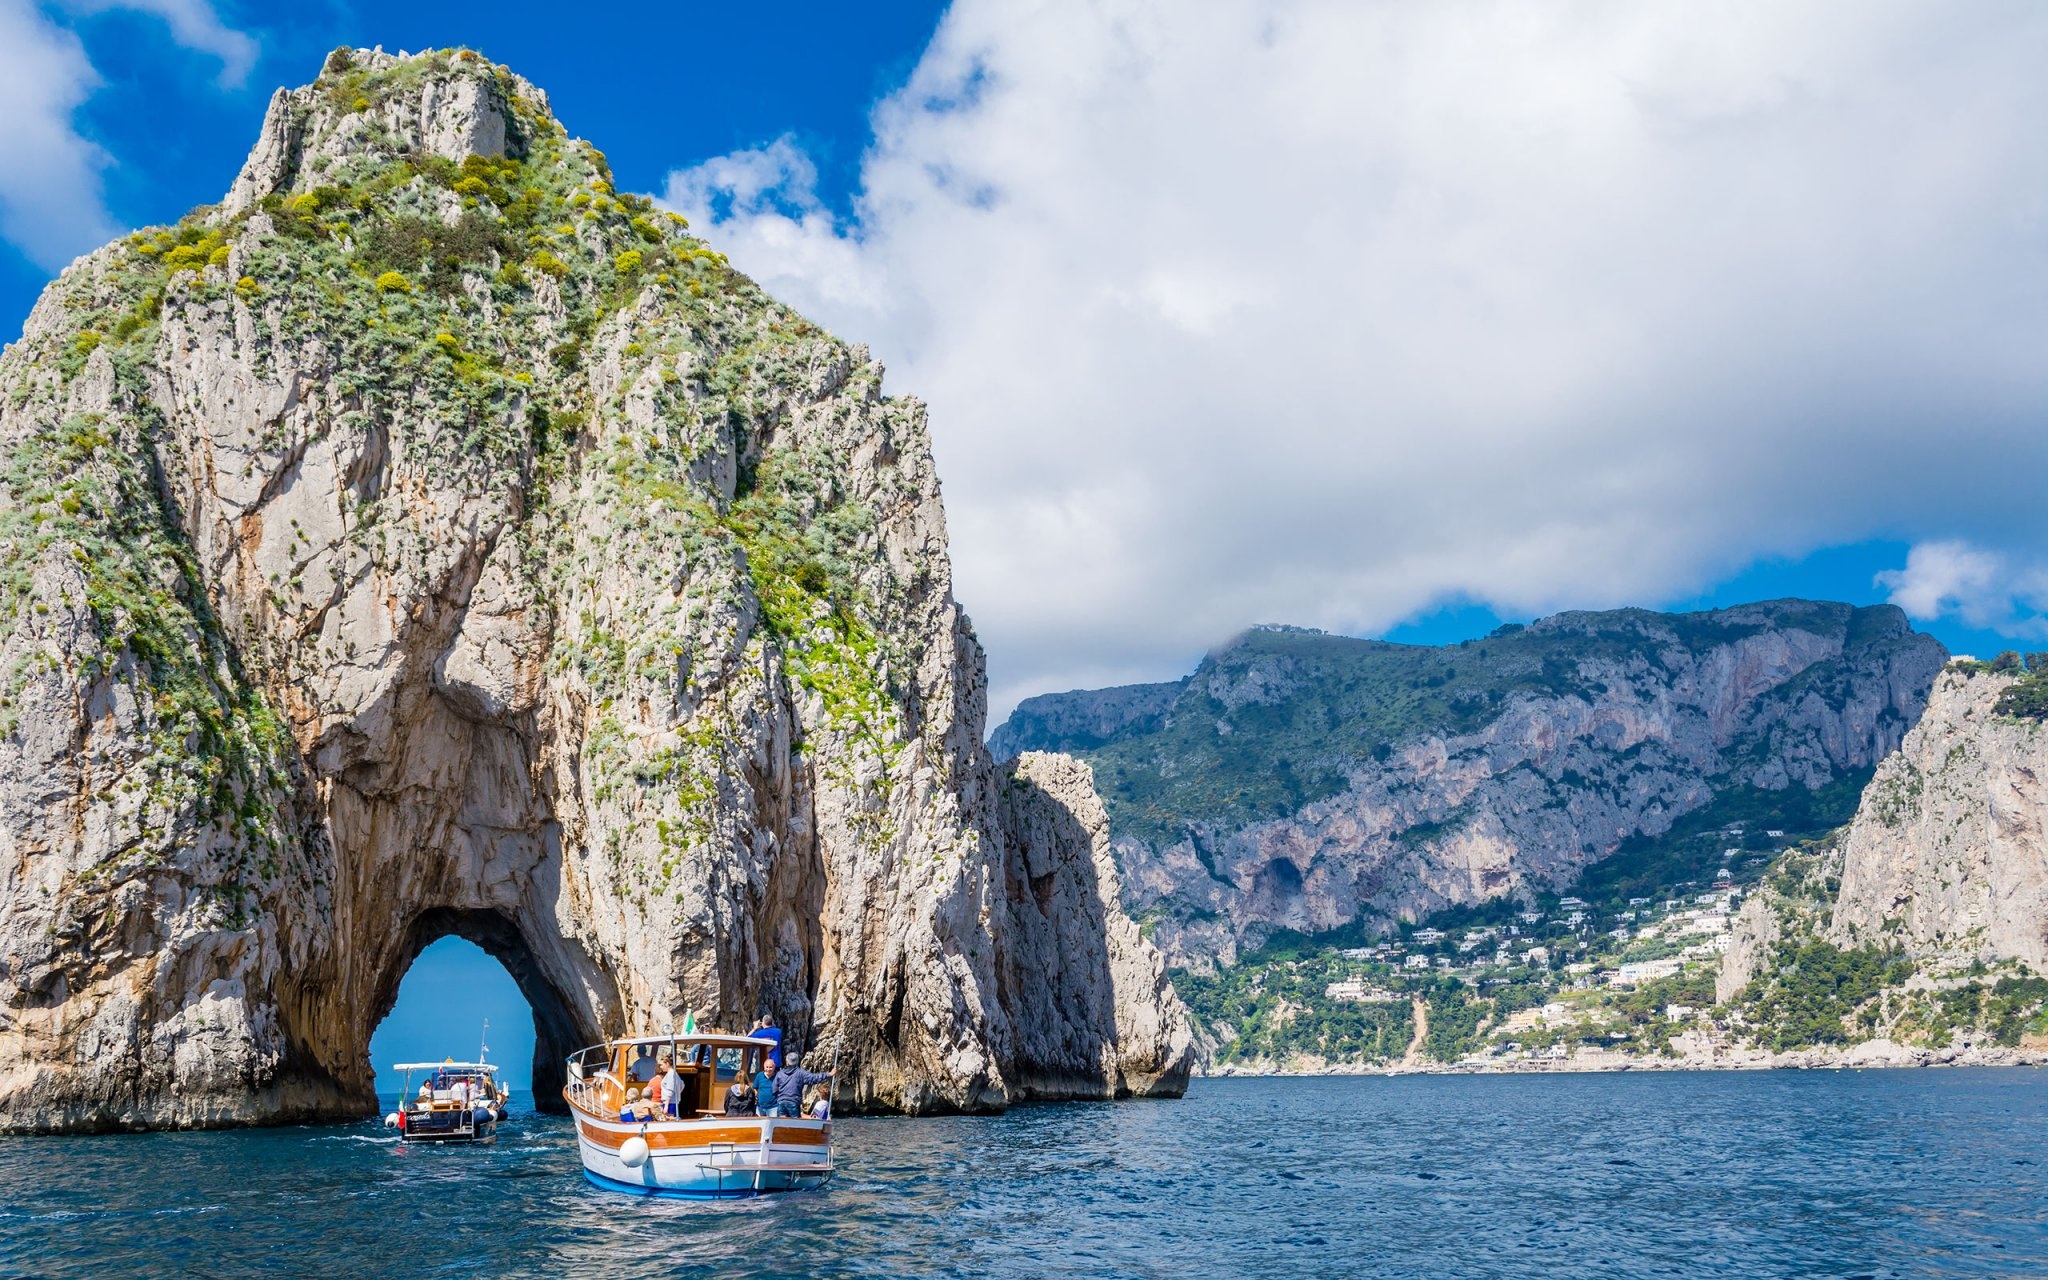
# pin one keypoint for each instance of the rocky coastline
(1871, 1055)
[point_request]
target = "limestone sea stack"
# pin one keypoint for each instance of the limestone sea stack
(1948, 855)
(433, 539)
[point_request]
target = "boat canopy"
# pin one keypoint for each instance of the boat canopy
(444, 1066)
(714, 1038)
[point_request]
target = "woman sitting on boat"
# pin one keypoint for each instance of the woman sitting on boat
(740, 1099)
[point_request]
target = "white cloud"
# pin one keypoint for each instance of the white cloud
(51, 198)
(1984, 589)
(49, 176)
(195, 26)
(1323, 312)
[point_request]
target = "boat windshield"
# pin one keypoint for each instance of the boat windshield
(447, 1080)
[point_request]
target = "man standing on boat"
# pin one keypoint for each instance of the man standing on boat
(764, 1028)
(790, 1083)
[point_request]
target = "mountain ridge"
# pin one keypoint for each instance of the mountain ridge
(1301, 780)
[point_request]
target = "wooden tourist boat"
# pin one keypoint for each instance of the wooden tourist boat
(700, 1153)
(456, 1102)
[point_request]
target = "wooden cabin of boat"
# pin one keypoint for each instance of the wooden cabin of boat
(710, 1065)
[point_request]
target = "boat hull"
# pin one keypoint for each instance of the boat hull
(723, 1158)
(480, 1134)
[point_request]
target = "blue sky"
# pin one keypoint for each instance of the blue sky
(443, 1002)
(1394, 320)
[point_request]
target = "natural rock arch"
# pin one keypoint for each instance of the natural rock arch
(556, 585)
(560, 1027)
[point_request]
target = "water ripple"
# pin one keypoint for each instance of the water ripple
(1877, 1174)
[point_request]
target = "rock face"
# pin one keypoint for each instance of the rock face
(1948, 855)
(431, 539)
(1305, 781)
(1084, 719)
(1128, 1035)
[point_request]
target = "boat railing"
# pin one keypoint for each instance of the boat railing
(762, 1165)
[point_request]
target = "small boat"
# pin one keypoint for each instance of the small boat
(701, 1152)
(456, 1102)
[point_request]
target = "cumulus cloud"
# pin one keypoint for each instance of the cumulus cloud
(1983, 589)
(195, 26)
(51, 198)
(49, 175)
(1328, 312)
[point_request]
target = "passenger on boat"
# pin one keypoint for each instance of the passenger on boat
(644, 1109)
(426, 1091)
(764, 1089)
(790, 1084)
(626, 1107)
(642, 1069)
(671, 1088)
(822, 1108)
(740, 1099)
(764, 1028)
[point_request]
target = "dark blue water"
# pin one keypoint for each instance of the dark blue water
(1881, 1174)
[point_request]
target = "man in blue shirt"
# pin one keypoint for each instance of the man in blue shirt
(764, 1089)
(765, 1029)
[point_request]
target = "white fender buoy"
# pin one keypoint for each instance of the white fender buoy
(634, 1153)
(391, 1121)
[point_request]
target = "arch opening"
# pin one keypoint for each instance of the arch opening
(436, 1009)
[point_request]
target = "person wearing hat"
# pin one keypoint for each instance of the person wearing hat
(790, 1083)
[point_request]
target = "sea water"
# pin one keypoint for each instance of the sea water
(1878, 1173)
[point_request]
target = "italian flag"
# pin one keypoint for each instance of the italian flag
(689, 1022)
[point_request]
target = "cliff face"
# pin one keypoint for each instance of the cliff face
(1304, 781)
(1923, 923)
(1948, 855)
(432, 539)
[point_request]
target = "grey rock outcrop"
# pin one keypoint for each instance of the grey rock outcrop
(1065, 898)
(1948, 854)
(434, 540)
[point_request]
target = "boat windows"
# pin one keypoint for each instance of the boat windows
(728, 1064)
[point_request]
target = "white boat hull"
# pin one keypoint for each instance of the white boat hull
(720, 1157)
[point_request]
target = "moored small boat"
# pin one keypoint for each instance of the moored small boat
(700, 1152)
(456, 1102)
